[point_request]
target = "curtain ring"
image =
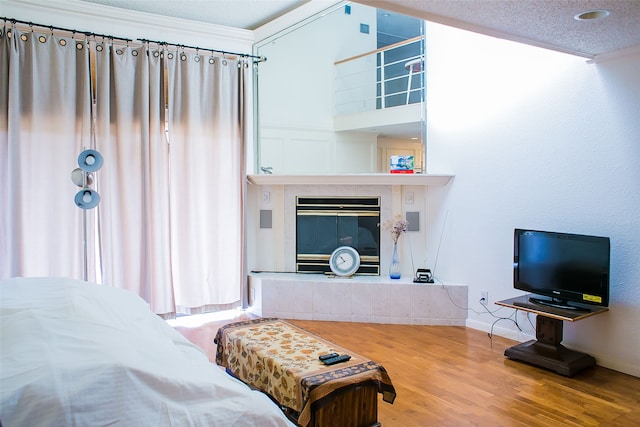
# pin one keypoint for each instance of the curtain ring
(10, 31)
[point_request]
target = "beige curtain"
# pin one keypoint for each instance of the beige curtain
(206, 179)
(134, 211)
(171, 210)
(169, 226)
(44, 125)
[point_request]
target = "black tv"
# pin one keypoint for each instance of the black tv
(562, 268)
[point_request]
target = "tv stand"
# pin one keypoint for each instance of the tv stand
(551, 303)
(546, 351)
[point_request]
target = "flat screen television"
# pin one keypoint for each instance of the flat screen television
(562, 268)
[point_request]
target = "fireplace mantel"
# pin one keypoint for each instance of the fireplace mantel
(352, 179)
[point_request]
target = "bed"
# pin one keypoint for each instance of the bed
(75, 353)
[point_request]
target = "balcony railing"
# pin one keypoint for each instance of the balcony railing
(383, 78)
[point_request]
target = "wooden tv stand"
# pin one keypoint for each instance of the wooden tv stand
(546, 351)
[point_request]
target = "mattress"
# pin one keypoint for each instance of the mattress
(80, 354)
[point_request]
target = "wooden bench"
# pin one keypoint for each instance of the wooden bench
(281, 360)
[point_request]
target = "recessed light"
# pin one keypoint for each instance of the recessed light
(592, 15)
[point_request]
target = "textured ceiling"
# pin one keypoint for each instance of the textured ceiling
(546, 23)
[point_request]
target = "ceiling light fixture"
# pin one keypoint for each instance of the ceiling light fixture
(592, 15)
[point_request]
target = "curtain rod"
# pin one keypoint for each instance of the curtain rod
(53, 27)
(245, 55)
(89, 33)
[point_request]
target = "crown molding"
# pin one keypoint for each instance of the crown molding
(91, 17)
(296, 17)
(620, 53)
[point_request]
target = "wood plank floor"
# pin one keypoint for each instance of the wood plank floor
(455, 376)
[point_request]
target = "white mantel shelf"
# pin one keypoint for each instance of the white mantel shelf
(352, 179)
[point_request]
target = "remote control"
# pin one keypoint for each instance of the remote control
(337, 359)
(324, 357)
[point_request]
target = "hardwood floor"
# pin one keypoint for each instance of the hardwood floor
(454, 376)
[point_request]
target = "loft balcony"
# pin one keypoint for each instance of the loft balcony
(382, 91)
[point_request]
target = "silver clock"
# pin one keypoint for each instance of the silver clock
(344, 261)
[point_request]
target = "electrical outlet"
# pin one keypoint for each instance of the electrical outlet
(266, 197)
(484, 297)
(408, 198)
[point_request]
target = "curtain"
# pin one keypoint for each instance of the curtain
(171, 210)
(44, 125)
(134, 211)
(206, 179)
(169, 225)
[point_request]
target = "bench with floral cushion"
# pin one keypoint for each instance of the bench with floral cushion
(282, 360)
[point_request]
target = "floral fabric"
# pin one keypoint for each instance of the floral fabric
(281, 360)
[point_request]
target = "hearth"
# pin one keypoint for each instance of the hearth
(325, 223)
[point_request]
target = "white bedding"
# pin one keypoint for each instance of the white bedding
(80, 354)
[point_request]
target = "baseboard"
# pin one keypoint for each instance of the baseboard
(625, 368)
(498, 330)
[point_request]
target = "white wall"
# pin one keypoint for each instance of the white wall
(541, 140)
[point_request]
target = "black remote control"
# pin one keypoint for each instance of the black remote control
(324, 357)
(337, 359)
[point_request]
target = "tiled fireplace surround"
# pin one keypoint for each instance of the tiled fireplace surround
(375, 299)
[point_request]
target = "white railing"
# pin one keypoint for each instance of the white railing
(383, 78)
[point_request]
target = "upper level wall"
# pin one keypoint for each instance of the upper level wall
(297, 81)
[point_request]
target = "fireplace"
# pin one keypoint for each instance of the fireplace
(325, 223)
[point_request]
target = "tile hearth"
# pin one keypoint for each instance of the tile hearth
(368, 299)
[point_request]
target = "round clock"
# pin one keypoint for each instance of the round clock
(344, 261)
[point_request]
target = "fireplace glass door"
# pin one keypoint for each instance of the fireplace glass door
(323, 224)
